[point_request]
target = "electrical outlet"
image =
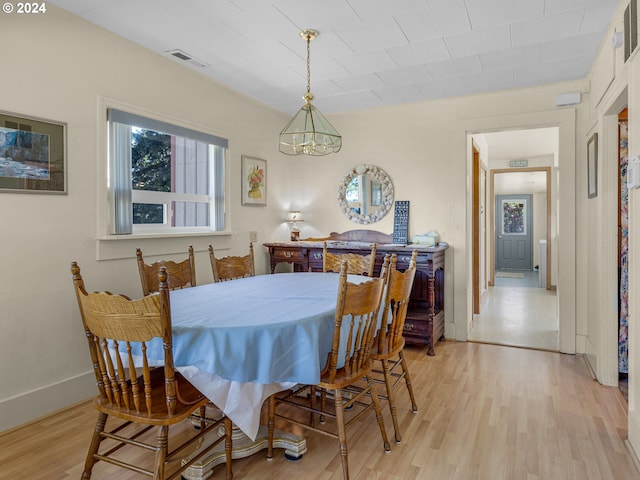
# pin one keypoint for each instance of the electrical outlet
(253, 236)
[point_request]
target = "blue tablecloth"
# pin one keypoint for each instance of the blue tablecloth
(263, 329)
(240, 341)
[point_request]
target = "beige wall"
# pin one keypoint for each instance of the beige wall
(73, 69)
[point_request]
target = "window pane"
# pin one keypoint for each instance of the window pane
(513, 217)
(146, 213)
(150, 160)
(190, 214)
(352, 193)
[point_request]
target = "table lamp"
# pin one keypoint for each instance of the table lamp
(293, 218)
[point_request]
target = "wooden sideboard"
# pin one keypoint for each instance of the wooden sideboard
(425, 319)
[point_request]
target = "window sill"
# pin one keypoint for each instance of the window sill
(146, 235)
(116, 247)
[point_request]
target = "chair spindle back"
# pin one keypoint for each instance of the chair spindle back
(181, 274)
(232, 267)
(395, 305)
(113, 325)
(357, 264)
(358, 306)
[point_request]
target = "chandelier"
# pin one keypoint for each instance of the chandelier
(309, 132)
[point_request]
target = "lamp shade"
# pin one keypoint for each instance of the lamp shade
(294, 216)
(309, 133)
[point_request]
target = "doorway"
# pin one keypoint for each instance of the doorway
(623, 253)
(519, 306)
(513, 236)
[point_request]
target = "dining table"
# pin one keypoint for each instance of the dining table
(243, 340)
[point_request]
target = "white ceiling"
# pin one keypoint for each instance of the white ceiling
(369, 52)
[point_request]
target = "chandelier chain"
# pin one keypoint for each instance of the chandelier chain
(308, 63)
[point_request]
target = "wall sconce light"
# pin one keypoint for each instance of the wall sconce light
(293, 218)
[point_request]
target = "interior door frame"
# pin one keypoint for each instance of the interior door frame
(478, 228)
(492, 226)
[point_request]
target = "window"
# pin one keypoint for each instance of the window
(514, 217)
(164, 177)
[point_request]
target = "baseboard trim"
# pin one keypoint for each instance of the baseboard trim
(632, 452)
(633, 437)
(587, 362)
(30, 406)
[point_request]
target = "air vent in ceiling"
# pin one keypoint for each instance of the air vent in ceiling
(185, 57)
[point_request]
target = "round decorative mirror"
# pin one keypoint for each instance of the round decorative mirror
(365, 194)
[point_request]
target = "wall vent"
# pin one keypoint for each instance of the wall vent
(185, 57)
(630, 28)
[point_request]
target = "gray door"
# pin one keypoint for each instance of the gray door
(514, 235)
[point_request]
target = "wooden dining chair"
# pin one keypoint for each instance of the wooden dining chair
(356, 318)
(232, 267)
(181, 274)
(135, 401)
(388, 346)
(357, 264)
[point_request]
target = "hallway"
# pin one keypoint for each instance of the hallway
(517, 313)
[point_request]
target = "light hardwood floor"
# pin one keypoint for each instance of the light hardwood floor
(485, 412)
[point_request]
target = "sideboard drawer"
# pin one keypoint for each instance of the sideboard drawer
(289, 254)
(415, 326)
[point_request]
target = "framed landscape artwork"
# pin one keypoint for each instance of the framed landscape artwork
(32, 155)
(254, 181)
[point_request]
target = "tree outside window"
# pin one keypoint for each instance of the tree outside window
(150, 170)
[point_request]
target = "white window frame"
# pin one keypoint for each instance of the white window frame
(216, 199)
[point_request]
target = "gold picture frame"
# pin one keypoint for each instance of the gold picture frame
(32, 155)
(254, 181)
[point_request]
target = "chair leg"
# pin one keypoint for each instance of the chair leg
(342, 433)
(228, 446)
(203, 417)
(407, 379)
(312, 401)
(392, 404)
(270, 425)
(376, 406)
(94, 446)
(161, 452)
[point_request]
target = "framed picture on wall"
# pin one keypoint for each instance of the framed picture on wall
(32, 155)
(592, 166)
(254, 181)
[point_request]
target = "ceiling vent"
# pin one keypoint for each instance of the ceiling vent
(185, 57)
